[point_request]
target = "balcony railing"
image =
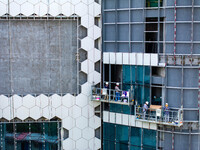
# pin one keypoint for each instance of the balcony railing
(171, 117)
(110, 95)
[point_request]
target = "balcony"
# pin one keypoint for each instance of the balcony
(109, 96)
(158, 116)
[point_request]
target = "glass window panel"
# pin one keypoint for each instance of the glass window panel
(122, 134)
(146, 93)
(140, 74)
(109, 131)
(135, 138)
(121, 146)
(139, 94)
(116, 108)
(108, 145)
(147, 75)
(135, 148)
(149, 138)
(126, 109)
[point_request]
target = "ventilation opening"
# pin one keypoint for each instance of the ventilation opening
(158, 71)
(98, 133)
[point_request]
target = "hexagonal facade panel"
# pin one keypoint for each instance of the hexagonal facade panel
(75, 133)
(82, 144)
(28, 101)
(22, 113)
(35, 112)
(81, 100)
(81, 122)
(88, 133)
(4, 101)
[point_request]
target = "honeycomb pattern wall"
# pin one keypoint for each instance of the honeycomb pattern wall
(77, 113)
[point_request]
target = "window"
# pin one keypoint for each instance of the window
(153, 3)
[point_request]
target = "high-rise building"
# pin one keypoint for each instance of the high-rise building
(63, 85)
(49, 59)
(151, 48)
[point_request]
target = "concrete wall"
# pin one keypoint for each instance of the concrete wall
(43, 56)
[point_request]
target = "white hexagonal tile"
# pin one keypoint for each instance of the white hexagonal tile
(4, 101)
(95, 143)
(81, 100)
(4, 1)
(14, 9)
(87, 43)
(68, 100)
(94, 55)
(86, 89)
(88, 133)
(20, 1)
(95, 122)
(69, 144)
(75, 133)
(54, 9)
(74, 2)
(41, 9)
(87, 21)
(33, 1)
(88, 111)
(94, 77)
(22, 113)
(7, 113)
(67, 9)
(3, 9)
(35, 112)
(68, 123)
(75, 111)
(62, 112)
(56, 100)
(29, 101)
(94, 32)
(27, 9)
(82, 144)
(81, 9)
(87, 66)
(42, 101)
(81, 122)
(17, 101)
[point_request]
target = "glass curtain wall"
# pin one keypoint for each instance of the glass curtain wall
(120, 137)
(139, 78)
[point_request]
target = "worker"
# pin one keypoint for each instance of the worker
(166, 112)
(117, 92)
(106, 87)
(145, 108)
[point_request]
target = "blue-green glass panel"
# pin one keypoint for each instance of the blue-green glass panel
(116, 108)
(108, 145)
(126, 74)
(126, 109)
(149, 138)
(109, 131)
(121, 146)
(135, 138)
(122, 134)
(140, 74)
(139, 94)
(135, 147)
(147, 75)
(146, 93)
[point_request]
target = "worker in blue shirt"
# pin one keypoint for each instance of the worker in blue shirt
(166, 112)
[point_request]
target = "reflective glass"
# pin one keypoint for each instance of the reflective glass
(135, 138)
(149, 138)
(122, 134)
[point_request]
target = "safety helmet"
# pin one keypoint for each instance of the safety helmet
(117, 84)
(166, 104)
(106, 83)
(147, 102)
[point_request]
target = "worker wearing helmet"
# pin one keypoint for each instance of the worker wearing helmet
(117, 92)
(166, 112)
(145, 108)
